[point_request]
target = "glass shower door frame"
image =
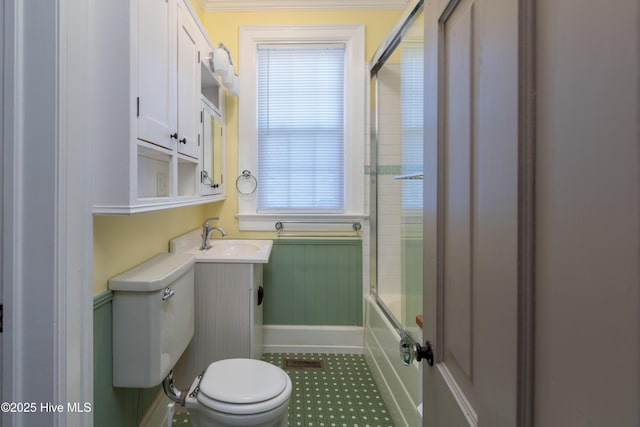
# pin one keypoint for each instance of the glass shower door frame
(398, 240)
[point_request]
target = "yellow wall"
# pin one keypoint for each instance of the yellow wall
(224, 27)
(121, 242)
(197, 8)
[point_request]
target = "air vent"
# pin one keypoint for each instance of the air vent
(299, 364)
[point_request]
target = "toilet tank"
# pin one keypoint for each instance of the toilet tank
(153, 319)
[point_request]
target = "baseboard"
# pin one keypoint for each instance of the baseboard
(313, 339)
(156, 416)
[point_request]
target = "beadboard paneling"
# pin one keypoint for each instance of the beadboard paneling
(224, 316)
(314, 282)
(123, 407)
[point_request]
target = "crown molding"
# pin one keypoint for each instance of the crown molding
(261, 5)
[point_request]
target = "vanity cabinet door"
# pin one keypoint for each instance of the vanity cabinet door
(156, 72)
(257, 307)
(228, 322)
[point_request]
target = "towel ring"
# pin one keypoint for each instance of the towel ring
(246, 183)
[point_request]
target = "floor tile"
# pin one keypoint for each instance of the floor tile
(342, 394)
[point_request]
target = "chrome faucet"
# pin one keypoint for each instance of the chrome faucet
(206, 231)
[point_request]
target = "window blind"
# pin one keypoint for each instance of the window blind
(412, 107)
(300, 128)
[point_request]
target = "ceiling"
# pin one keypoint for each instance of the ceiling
(258, 5)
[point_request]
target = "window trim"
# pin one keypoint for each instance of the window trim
(352, 36)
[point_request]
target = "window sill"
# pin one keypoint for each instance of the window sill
(267, 222)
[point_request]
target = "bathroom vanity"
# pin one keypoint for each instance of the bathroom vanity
(228, 302)
(228, 311)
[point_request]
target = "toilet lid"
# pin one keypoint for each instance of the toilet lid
(243, 381)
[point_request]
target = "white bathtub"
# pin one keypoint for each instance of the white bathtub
(393, 303)
(400, 386)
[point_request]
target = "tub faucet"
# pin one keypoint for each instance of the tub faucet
(206, 231)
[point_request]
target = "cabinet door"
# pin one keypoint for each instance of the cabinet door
(188, 86)
(257, 308)
(156, 71)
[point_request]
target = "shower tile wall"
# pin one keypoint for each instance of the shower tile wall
(389, 189)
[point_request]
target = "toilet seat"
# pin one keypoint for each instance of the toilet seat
(243, 386)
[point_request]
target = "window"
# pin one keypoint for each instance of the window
(412, 109)
(301, 131)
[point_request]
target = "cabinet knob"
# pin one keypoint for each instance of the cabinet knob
(183, 141)
(260, 295)
(174, 135)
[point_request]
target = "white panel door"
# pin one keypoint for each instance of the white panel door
(156, 73)
(471, 213)
(188, 85)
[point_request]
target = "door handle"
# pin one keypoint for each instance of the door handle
(411, 350)
(424, 352)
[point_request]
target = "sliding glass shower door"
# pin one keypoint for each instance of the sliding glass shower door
(396, 172)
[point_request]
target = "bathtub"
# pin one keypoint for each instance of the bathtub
(400, 386)
(394, 305)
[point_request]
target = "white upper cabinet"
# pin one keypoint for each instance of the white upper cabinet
(188, 86)
(145, 106)
(156, 76)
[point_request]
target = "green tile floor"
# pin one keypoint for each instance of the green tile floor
(342, 394)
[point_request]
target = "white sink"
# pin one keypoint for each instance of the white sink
(232, 248)
(235, 251)
(246, 251)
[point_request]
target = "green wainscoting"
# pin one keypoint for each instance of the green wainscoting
(122, 407)
(314, 282)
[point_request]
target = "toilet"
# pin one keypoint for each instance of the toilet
(240, 392)
(153, 322)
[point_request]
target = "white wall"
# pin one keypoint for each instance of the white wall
(46, 216)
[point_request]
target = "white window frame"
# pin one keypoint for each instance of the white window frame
(352, 36)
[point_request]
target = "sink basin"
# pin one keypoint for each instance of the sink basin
(232, 248)
(246, 251)
(235, 251)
